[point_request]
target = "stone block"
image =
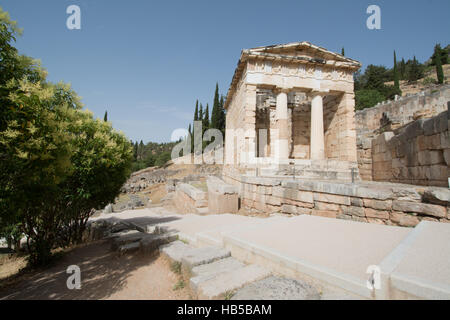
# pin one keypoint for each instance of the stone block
(445, 139)
(439, 196)
(331, 198)
(404, 219)
(219, 202)
(326, 206)
(438, 172)
(220, 186)
(353, 211)
(191, 191)
(298, 203)
(430, 157)
(376, 221)
(357, 202)
(324, 213)
(277, 288)
(372, 213)
(275, 201)
(199, 256)
(379, 205)
(422, 208)
(447, 156)
(374, 193)
(218, 286)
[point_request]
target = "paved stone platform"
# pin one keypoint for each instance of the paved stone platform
(414, 262)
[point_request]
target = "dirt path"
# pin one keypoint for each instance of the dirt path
(104, 275)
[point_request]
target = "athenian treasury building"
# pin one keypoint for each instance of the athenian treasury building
(290, 111)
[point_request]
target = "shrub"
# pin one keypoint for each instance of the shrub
(58, 164)
(367, 98)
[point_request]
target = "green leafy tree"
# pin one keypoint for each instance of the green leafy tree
(415, 71)
(442, 53)
(367, 98)
(343, 51)
(58, 163)
(163, 158)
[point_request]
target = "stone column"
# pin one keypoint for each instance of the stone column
(317, 144)
(282, 147)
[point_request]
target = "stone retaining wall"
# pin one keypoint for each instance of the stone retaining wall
(372, 202)
(391, 115)
(417, 154)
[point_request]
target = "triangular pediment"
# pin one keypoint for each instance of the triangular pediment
(298, 50)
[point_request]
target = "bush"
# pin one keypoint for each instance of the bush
(162, 159)
(58, 164)
(428, 81)
(367, 98)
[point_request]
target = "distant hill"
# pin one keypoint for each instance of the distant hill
(428, 81)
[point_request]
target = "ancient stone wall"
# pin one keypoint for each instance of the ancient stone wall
(418, 153)
(392, 115)
(372, 202)
(235, 119)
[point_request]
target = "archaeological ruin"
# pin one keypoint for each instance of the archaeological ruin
(295, 145)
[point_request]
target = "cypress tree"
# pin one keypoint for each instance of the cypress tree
(438, 62)
(141, 150)
(200, 113)
(105, 117)
(402, 69)
(135, 151)
(414, 71)
(206, 123)
(343, 51)
(196, 111)
(221, 115)
(396, 77)
(215, 109)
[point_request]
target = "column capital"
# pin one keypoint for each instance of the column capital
(319, 92)
(278, 90)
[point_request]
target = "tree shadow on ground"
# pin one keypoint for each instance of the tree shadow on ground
(103, 273)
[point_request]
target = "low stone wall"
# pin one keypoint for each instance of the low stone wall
(189, 199)
(416, 154)
(372, 202)
(391, 115)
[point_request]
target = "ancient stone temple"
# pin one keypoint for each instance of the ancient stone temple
(291, 108)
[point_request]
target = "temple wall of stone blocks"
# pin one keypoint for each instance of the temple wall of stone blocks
(391, 116)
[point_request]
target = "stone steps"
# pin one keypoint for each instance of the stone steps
(277, 288)
(214, 273)
(226, 283)
(208, 271)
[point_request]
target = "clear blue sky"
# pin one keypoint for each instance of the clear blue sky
(146, 62)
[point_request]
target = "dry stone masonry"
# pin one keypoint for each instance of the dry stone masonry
(301, 151)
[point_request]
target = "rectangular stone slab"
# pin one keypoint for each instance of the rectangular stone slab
(204, 255)
(223, 283)
(208, 271)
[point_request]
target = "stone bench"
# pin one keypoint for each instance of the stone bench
(222, 197)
